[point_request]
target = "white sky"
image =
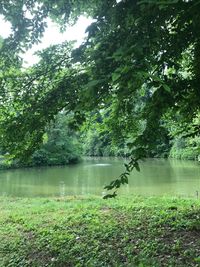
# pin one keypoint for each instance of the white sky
(51, 36)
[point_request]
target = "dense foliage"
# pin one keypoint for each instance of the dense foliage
(186, 143)
(98, 140)
(140, 63)
(60, 147)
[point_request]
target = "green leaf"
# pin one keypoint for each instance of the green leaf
(137, 167)
(116, 76)
(92, 83)
(167, 88)
(110, 195)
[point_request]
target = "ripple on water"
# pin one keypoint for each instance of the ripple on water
(102, 164)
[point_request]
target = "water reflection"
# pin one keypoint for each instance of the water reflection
(157, 177)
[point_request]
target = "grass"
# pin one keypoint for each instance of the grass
(93, 232)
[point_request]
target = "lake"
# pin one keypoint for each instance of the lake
(157, 177)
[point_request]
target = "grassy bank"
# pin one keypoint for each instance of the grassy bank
(94, 232)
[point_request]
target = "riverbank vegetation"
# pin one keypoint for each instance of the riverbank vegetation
(131, 231)
(138, 67)
(60, 146)
(136, 74)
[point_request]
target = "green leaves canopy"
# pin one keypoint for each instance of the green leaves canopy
(139, 60)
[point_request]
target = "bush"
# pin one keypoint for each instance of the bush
(40, 157)
(185, 149)
(61, 145)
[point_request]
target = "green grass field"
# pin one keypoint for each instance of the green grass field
(94, 232)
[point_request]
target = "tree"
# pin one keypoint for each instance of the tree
(61, 145)
(134, 53)
(96, 138)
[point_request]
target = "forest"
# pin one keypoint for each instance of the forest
(129, 90)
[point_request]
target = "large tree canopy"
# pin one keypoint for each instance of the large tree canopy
(139, 63)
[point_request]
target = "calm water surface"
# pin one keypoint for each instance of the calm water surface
(157, 177)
